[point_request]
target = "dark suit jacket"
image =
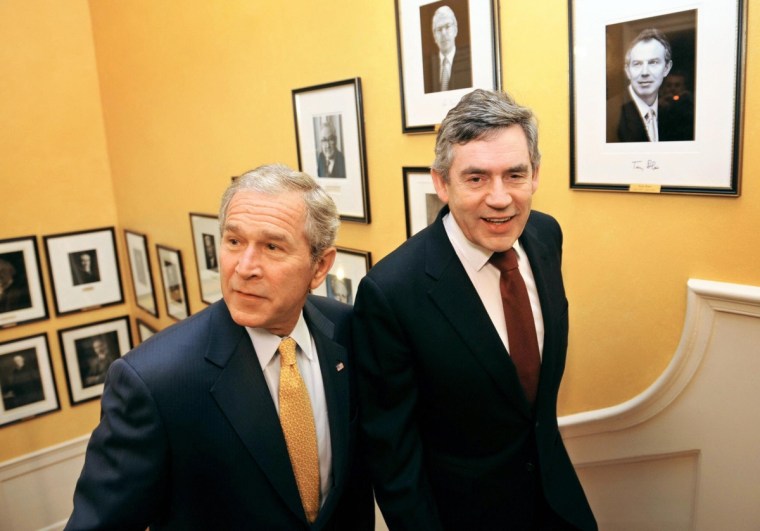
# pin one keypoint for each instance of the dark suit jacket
(624, 124)
(453, 443)
(190, 439)
(461, 71)
(339, 168)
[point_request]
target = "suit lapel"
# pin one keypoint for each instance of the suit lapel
(243, 396)
(457, 299)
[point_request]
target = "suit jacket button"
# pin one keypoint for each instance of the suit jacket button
(530, 467)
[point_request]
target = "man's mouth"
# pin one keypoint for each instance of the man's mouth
(498, 221)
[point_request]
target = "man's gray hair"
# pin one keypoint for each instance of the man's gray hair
(321, 213)
(477, 115)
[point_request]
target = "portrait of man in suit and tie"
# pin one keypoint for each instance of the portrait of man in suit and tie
(84, 267)
(446, 60)
(244, 415)
(652, 106)
(330, 159)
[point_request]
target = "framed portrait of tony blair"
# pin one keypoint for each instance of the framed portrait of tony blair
(657, 95)
(446, 48)
(84, 270)
(330, 141)
(22, 297)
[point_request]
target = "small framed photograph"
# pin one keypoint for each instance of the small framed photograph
(421, 202)
(446, 49)
(144, 330)
(173, 277)
(343, 279)
(330, 140)
(657, 90)
(88, 351)
(139, 265)
(22, 296)
(84, 270)
(27, 382)
(206, 236)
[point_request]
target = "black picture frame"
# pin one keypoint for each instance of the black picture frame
(686, 152)
(22, 294)
(27, 380)
(141, 271)
(344, 276)
(476, 62)
(88, 351)
(78, 286)
(173, 281)
(421, 202)
(329, 122)
(144, 330)
(206, 238)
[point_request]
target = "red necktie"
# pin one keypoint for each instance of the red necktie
(521, 329)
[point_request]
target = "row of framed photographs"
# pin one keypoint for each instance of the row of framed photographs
(27, 381)
(85, 274)
(459, 40)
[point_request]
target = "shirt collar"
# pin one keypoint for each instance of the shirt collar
(450, 55)
(641, 105)
(475, 255)
(265, 343)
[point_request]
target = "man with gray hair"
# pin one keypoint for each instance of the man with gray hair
(461, 338)
(239, 417)
(449, 66)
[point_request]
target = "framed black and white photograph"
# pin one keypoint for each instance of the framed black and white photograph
(421, 202)
(27, 382)
(84, 270)
(657, 95)
(343, 279)
(88, 351)
(446, 49)
(22, 296)
(139, 265)
(329, 122)
(173, 278)
(205, 229)
(144, 330)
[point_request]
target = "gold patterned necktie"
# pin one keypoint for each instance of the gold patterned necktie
(298, 427)
(521, 328)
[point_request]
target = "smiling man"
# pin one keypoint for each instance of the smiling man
(461, 337)
(240, 417)
(637, 115)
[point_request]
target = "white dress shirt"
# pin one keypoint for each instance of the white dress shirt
(265, 344)
(648, 114)
(485, 277)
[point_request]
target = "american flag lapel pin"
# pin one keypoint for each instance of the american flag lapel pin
(339, 367)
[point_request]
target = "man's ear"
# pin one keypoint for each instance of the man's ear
(441, 186)
(323, 266)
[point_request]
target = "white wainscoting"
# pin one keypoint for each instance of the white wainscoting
(685, 453)
(36, 490)
(682, 455)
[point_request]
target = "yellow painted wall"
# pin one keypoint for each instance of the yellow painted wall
(195, 93)
(54, 172)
